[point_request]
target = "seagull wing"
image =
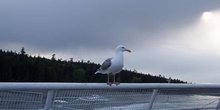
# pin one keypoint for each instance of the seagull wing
(106, 64)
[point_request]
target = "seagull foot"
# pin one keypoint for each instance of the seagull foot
(109, 83)
(116, 83)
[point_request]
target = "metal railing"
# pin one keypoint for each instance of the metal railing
(100, 96)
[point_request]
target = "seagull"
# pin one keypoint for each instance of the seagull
(113, 65)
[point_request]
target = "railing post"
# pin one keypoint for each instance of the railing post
(153, 96)
(49, 99)
(217, 107)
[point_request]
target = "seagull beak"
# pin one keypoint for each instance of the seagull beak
(128, 50)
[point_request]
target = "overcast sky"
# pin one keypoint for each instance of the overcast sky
(173, 38)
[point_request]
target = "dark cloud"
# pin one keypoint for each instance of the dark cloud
(63, 24)
(146, 27)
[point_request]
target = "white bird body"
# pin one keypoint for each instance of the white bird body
(115, 64)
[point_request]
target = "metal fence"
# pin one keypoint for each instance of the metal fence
(12, 100)
(99, 96)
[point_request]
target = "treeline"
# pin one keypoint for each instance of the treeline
(21, 67)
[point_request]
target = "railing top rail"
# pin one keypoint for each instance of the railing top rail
(51, 86)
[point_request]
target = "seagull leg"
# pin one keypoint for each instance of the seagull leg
(108, 78)
(108, 83)
(113, 78)
(116, 83)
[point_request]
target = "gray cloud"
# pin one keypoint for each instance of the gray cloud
(56, 24)
(159, 32)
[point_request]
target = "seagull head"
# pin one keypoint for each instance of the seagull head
(122, 48)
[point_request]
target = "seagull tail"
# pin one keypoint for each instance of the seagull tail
(97, 72)
(100, 71)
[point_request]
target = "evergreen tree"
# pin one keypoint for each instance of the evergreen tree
(22, 67)
(23, 51)
(136, 80)
(53, 57)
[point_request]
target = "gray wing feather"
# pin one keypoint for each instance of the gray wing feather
(106, 64)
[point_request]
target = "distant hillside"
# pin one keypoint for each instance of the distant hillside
(21, 67)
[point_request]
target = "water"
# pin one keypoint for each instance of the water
(135, 100)
(175, 102)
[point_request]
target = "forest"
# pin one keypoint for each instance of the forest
(21, 67)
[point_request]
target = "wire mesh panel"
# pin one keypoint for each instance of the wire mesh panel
(20, 100)
(186, 99)
(101, 99)
(166, 99)
(94, 96)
